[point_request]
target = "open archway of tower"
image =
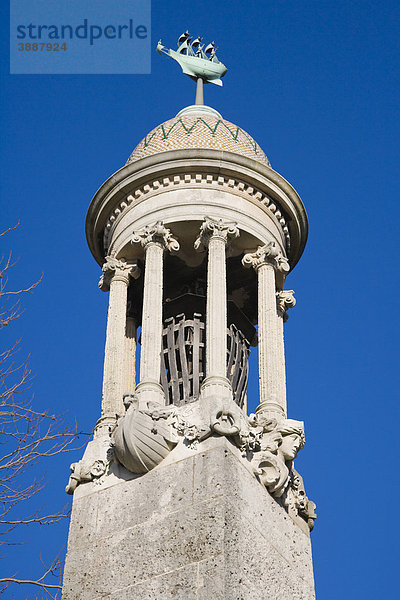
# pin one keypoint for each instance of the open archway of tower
(184, 319)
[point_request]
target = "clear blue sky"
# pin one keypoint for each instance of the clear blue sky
(317, 84)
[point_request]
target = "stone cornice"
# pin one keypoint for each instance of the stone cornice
(192, 180)
(237, 174)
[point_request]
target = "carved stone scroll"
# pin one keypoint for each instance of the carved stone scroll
(267, 254)
(216, 229)
(284, 300)
(82, 472)
(114, 267)
(156, 234)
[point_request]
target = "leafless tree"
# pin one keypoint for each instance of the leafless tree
(27, 436)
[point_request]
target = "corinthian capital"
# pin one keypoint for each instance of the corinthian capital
(156, 234)
(215, 228)
(285, 300)
(114, 267)
(267, 255)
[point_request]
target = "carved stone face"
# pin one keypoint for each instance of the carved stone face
(290, 446)
(271, 441)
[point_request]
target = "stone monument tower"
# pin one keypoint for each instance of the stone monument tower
(181, 494)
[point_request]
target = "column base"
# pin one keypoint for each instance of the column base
(217, 387)
(150, 391)
(271, 410)
(105, 425)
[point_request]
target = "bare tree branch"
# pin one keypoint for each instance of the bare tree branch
(30, 581)
(13, 228)
(47, 590)
(27, 435)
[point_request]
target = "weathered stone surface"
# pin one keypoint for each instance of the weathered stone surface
(215, 235)
(211, 578)
(219, 472)
(117, 274)
(202, 528)
(83, 527)
(188, 583)
(180, 584)
(159, 493)
(250, 554)
(156, 546)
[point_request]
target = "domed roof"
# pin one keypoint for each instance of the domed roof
(198, 126)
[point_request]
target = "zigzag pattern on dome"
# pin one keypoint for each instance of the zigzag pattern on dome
(188, 130)
(204, 131)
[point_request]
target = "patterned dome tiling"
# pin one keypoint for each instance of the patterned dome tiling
(198, 130)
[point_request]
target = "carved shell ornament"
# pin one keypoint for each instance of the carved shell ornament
(143, 437)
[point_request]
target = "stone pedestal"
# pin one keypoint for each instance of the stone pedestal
(199, 526)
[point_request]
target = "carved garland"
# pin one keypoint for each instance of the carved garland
(148, 432)
(233, 185)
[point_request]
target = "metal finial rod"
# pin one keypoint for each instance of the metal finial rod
(199, 91)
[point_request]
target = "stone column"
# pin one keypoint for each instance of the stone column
(155, 239)
(115, 279)
(130, 356)
(284, 300)
(214, 236)
(266, 260)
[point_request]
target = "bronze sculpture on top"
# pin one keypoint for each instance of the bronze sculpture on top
(201, 64)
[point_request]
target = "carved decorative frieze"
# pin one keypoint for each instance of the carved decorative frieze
(285, 300)
(267, 254)
(148, 432)
(156, 234)
(215, 229)
(114, 267)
